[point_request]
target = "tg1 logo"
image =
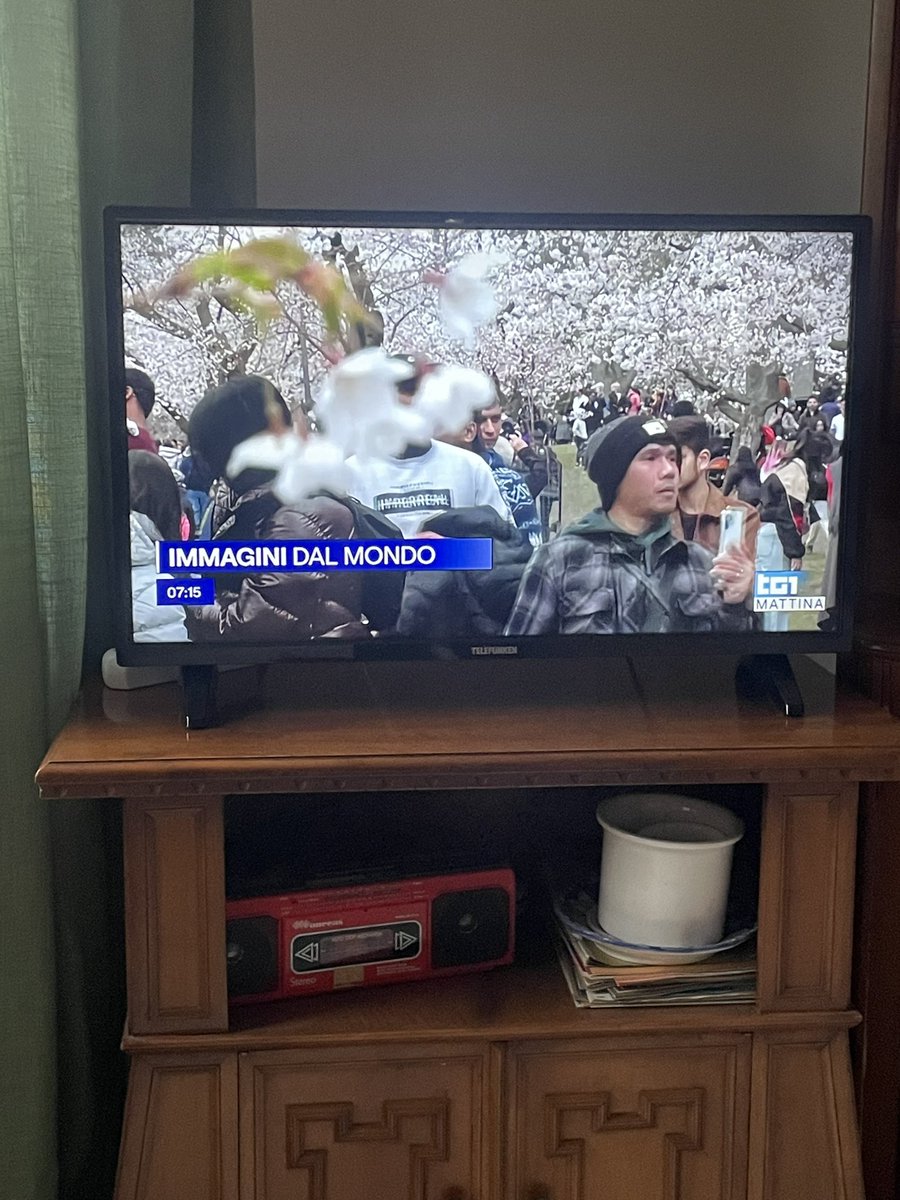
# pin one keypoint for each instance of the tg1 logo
(779, 591)
(777, 583)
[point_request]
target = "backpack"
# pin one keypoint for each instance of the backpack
(382, 591)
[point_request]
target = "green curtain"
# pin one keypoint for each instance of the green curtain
(43, 515)
(101, 102)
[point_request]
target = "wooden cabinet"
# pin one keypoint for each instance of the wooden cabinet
(653, 1119)
(490, 1086)
(803, 1137)
(180, 1138)
(407, 1121)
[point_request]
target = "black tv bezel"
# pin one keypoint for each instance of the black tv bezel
(860, 365)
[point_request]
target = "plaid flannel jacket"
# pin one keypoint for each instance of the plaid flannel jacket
(603, 581)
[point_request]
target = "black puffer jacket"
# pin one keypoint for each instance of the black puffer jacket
(742, 479)
(274, 607)
(461, 605)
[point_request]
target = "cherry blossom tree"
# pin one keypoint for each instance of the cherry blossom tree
(716, 312)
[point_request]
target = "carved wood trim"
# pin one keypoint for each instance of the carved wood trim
(394, 1113)
(181, 1130)
(284, 1093)
(497, 1011)
(175, 915)
(806, 899)
(496, 1107)
(604, 1119)
(803, 1136)
(700, 767)
(553, 1109)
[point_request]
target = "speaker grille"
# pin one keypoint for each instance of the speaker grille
(469, 927)
(251, 955)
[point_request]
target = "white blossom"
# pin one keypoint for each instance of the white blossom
(467, 299)
(315, 465)
(358, 405)
(263, 451)
(448, 396)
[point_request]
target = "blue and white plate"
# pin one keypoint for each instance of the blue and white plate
(578, 915)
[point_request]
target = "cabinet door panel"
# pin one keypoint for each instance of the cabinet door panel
(640, 1120)
(803, 1138)
(399, 1123)
(806, 898)
(179, 1139)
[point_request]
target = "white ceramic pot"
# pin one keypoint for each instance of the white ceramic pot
(665, 868)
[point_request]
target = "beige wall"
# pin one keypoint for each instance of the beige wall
(632, 105)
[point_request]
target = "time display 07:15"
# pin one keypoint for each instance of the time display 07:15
(185, 591)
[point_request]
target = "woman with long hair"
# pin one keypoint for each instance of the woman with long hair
(815, 447)
(742, 478)
(783, 496)
(155, 516)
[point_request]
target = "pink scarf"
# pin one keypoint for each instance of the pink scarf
(770, 462)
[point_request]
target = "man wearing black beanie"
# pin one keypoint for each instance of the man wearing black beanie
(140, 396)
(620, 569)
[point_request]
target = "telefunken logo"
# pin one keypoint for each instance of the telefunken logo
(493, 649)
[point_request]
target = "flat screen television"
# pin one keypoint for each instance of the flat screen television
(645, 375)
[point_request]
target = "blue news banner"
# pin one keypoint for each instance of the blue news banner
(382, 554)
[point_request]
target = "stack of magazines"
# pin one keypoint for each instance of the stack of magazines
(603, 972)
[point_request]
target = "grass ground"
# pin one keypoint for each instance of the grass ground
(579, 495)
(814, 566)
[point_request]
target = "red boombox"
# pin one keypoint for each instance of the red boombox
(386, 932)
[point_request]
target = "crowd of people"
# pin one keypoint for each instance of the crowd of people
(790, 476)
(654, 555)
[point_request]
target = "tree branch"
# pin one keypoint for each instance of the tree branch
(731, 410)
(151, 313)
(698, 377)
(409, 312)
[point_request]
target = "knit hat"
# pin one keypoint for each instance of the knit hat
(228, 415)
(610, 450)
(143, 387)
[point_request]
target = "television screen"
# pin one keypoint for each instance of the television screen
(346, 434)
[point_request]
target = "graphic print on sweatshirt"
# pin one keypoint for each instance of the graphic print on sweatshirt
(423, 500)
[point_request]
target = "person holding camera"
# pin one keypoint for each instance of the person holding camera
(620, 568)
(698, 513)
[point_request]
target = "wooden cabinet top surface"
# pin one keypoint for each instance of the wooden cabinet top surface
(352, 726)
(515, 1002)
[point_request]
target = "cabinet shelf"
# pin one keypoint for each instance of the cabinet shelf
(507, 1003)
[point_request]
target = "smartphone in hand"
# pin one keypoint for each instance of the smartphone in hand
(731, 530)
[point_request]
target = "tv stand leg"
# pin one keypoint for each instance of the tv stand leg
(199, 687)
(771, 675)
